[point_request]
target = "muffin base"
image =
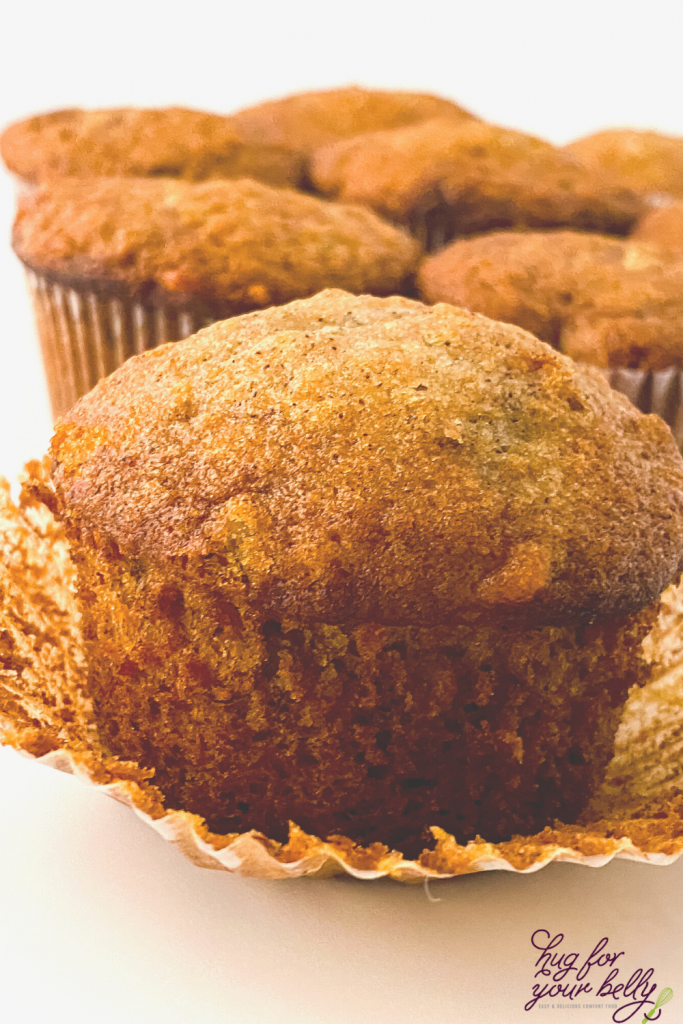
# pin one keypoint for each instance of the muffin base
(85, 335)
(637, 815)
(368, 731)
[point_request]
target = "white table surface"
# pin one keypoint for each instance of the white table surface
(101, 922)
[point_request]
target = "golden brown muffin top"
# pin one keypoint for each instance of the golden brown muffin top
(172, 142)
(238, 245)
(308, 120)
(662, 227)
(490, 176)
(647, 162)
(561, 285)
(354, 459)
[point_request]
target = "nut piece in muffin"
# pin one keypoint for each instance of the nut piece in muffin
(446, 179)
(645, 161)
(309, 120)
(118, 265)
(663, 227)
(367, 566)
(170, 142)
(606, 301)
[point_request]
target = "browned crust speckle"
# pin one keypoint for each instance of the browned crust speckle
(335, 438)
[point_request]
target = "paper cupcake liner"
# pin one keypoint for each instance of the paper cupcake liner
(658, 391)
(85, 336)
(637, 815)
(253, 855)
(432, 229)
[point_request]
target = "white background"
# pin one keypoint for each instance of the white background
(100, 921)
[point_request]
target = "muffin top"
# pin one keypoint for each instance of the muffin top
(647, 162)
(488, 176)
(355, 459)
(306, 121)
(172, 142)
(607, 301)
(236, 245)
(663, 227)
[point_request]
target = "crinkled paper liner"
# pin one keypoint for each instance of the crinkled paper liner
(252, 855)
(85, 335)
(637, 815)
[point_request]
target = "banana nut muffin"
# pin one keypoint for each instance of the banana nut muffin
(306, 121)
(172, 142)
(119, 265)
(663, 227)
(606, 301)
(460, 178)
(366, 565)
(230, 246)
(647, 162)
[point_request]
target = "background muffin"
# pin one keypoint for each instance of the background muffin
(530, 278)
(548, 281)
(309, 120)
(398, 555)
(172, 142)
(617, 304)
(446, 179)
(648, 162)
(119, 265)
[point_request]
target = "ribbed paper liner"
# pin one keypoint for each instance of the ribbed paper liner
(85, 336)
(637, 815)
(659, 391)
(433, 229)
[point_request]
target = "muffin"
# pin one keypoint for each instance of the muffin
(119, 265)
(663, 227)
(446, 179)
(171, 142)
(366, 566)
(309, 120)
(615, 303)
(645, 161)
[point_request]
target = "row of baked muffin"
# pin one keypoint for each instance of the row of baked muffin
(287, 142)
(122, 264)
(352, 562)
(135, 257)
